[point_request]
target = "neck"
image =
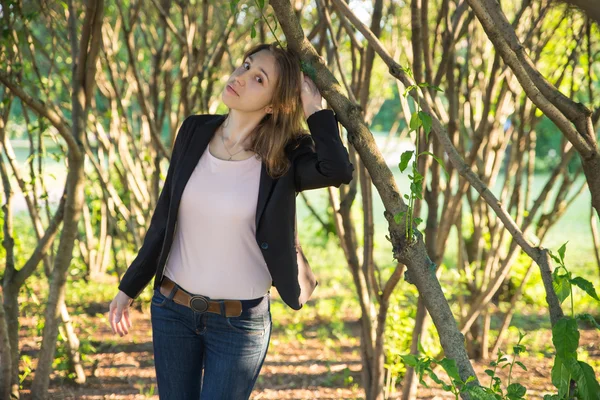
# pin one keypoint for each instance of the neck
(238, 125)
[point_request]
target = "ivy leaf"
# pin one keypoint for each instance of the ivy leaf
(515, 391)
(586, 286)
(587, 385)
(562, 286)
(404, 159)
(565, 337)
(451, 369)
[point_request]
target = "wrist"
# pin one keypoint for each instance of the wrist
(310, 111)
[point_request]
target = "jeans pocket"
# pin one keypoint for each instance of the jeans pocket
(158, 299)
(249, 325)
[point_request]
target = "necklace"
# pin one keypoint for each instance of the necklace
(226, 149)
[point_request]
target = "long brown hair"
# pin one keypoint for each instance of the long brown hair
(275, 131)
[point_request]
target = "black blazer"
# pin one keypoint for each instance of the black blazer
(317, 160)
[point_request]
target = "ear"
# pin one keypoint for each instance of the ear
(269, 110)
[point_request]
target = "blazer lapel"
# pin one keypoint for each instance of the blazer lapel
(200, 138)
(197, 145)
(264, 190)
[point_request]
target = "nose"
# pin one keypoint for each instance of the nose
(240, 80)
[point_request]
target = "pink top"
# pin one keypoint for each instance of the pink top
(214, 251)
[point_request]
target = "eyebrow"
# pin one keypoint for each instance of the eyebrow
(262, 70)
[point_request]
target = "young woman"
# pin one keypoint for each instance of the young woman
(230, 191)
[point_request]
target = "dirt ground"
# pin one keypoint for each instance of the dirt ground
(123, 368)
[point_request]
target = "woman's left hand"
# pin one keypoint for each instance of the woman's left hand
(310, 96)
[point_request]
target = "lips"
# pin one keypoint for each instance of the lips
(230, 88)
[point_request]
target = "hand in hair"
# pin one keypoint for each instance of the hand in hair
(310, 96)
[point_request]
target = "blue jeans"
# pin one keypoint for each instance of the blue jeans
(208, 356)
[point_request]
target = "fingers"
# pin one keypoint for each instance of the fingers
(128, 323)
(111, 317)
(311, 86)
(119, 319)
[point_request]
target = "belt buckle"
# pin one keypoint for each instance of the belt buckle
(202, 303)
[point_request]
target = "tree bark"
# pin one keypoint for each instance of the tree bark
(409, 252)
(83, 88)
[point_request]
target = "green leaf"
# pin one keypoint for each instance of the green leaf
(418, 177)
(415, 121)
(586, 285)
(425, 84)
(398, 217)
(439, 161)
(420, 346)
(518, 349)
(404, 159)
(451, 369)
(489, 372)
(233, 6)
(408, 89)
(261, 4)
(551, 397)
(562, 287)
(588, 318)
(562, 372)
(426, 121)
(417, 220)
(520, 364)
(515, 391)
(565, 337)
(416, 189)
(480, 393)
(408, 71)
(253, 32)
(437, 380)
(410, 360)
(555, 258)
(587, 385)
(561, 251)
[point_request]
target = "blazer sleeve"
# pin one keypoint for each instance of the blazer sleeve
(144, 266)
(321, 159)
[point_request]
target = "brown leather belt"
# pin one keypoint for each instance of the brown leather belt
(231, 308)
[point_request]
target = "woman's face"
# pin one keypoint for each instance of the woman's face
(253, 84)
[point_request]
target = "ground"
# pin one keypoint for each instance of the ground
(307, 367)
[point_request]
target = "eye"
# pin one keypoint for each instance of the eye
(260, 80)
